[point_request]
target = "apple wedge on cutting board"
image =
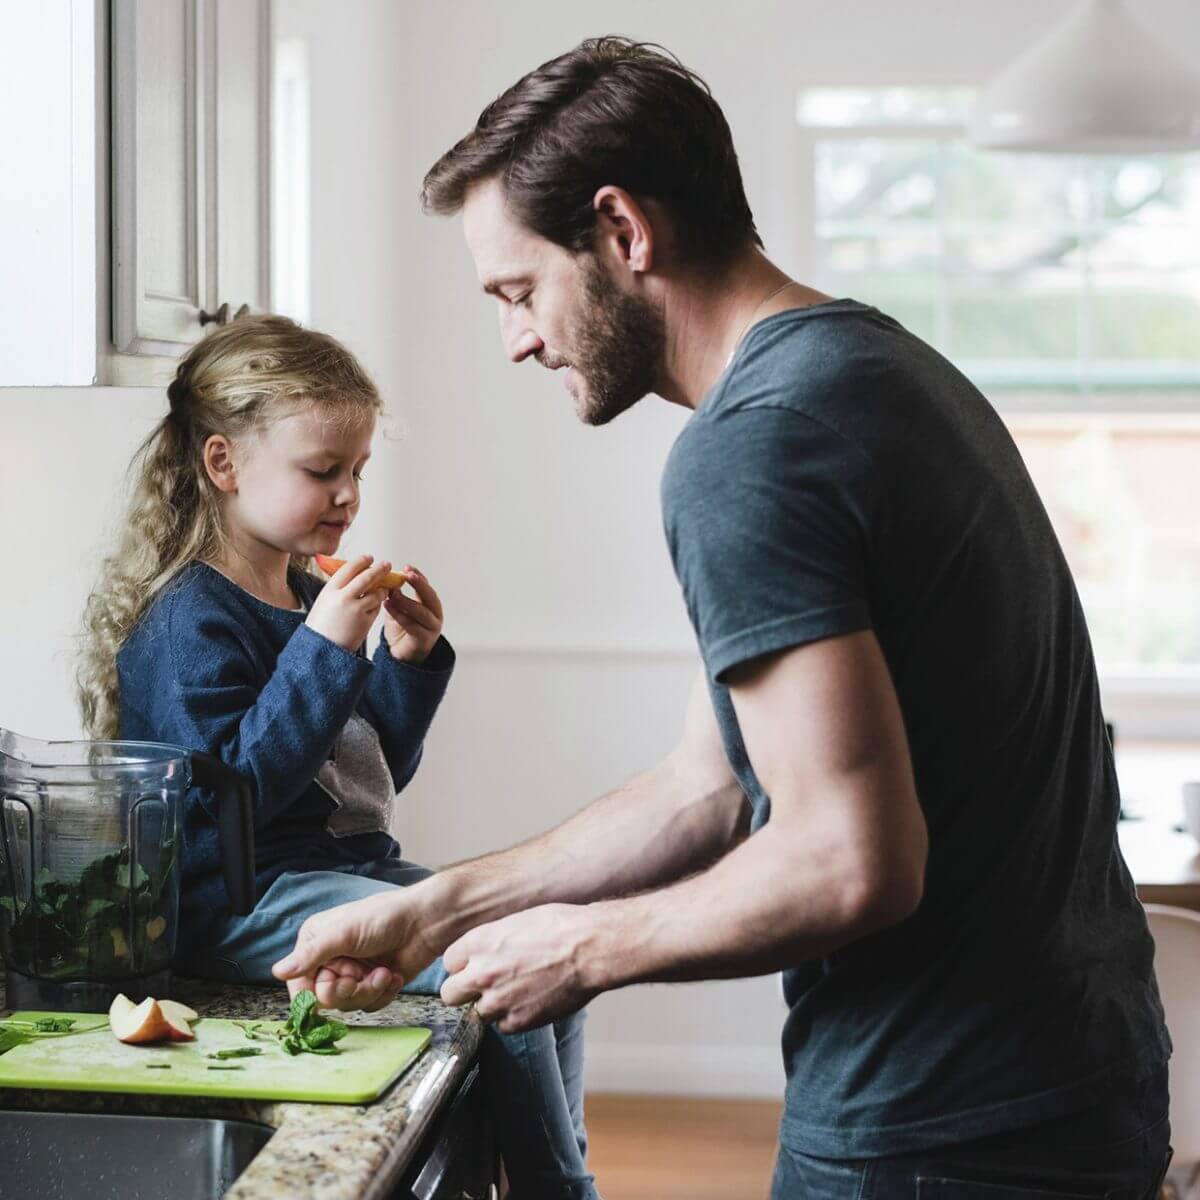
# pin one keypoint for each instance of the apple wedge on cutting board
(151, 1021)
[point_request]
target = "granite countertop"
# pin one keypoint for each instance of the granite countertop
(319, 1151)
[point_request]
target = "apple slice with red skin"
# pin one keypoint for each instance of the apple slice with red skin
(177, 1011)
(179, 1017)
(139, 1024)
(149, 1022)
(120, 1007)
(393, 579)
(172, 1008)
(178, 1029)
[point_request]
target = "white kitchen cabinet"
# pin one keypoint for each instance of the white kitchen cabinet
(51, 70)
(190, 168)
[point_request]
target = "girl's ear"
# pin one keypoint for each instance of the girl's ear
(218, 463)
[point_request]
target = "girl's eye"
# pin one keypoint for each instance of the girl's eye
(330, 472)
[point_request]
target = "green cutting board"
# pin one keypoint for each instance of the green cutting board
(372, 1057)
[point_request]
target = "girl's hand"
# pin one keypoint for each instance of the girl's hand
(412, 627)
(346, 607)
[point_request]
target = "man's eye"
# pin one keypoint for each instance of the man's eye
(328, 473)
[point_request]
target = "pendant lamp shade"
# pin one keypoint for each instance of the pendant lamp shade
(1098, 83)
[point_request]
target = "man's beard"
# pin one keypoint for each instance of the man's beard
(618, 347)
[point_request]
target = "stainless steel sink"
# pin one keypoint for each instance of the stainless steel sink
(65, 1156)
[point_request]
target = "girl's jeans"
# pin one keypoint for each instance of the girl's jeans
(533, 1080)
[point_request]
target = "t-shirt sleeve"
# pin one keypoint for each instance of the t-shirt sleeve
(768, 517)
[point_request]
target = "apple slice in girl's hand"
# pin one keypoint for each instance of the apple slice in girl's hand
(393, 579)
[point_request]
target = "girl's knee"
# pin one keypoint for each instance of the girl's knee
(429, 981)
(216, 968)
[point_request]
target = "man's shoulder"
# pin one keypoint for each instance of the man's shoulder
(790, 391)
(842, 371)
(809, 359)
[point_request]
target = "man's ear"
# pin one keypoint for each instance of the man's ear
(218, 463)
(625, 231)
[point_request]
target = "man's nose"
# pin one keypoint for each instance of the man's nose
(520, 343)
(347, 494)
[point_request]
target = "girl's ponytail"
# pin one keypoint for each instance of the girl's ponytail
(166, 527)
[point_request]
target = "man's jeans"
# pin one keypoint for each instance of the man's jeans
(533, 1081)
(1117, 1151)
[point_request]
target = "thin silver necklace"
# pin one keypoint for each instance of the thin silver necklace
(783, 287)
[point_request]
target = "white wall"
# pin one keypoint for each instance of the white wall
(542, 535)
(63, 453)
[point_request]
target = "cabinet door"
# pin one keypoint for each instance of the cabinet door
(241, 180)
(191, 167)
(162, 99)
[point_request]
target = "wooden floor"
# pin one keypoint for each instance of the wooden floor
(672, 1148)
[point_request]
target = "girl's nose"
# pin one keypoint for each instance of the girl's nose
(347, 494)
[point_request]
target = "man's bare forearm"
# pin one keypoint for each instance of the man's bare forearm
(658, 827)
(783, 897)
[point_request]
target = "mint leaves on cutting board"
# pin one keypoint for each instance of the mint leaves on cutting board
(305, 1031)
(15, 1033)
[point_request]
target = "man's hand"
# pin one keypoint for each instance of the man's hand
(359, 955)
(523, 970)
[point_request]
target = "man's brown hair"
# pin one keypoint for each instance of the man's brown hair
(610, 112)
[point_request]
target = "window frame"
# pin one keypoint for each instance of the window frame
(1155, 705)
(1088, 396)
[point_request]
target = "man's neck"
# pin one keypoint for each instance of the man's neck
(707, 317)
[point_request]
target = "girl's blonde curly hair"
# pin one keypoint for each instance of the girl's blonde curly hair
(235, 382)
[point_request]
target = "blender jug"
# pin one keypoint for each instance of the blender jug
(89, 865)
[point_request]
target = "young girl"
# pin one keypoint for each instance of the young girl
(206, 630)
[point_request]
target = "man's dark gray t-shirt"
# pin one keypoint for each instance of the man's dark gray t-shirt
(842, 476)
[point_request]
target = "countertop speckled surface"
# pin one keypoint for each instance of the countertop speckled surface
(319, 1151)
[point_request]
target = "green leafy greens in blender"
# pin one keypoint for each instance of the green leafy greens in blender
(86, 925)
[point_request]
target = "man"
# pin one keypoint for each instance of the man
(894, 783)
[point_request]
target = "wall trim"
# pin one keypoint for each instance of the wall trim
(653, 650)
(1163, 706)
(685, 1069)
